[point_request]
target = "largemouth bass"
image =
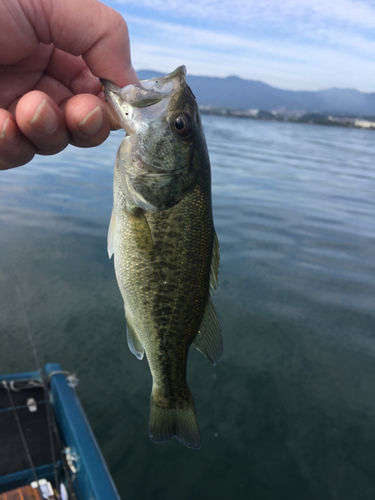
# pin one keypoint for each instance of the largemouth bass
(162, 236)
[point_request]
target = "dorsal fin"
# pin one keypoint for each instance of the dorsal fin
(215, 263)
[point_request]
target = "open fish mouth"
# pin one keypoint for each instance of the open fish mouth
(150, 91)
(145, 99)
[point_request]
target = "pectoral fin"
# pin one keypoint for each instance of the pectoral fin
(142, 234)
(135, 345)
(111, 235)
(209, 340)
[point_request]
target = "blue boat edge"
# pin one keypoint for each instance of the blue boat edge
(90, 475)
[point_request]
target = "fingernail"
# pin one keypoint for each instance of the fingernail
(45, 120)
(8, 134)
(92, 122)
(2, 135)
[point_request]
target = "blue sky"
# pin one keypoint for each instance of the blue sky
(290, 44)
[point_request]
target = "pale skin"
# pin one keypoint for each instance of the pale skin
(52, 54)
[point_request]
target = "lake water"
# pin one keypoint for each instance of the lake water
(289, 412)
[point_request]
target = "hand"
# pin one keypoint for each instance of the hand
(52, 53)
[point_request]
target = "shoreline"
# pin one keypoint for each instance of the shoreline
(367, 123)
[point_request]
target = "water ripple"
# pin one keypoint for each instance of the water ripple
(292, 399)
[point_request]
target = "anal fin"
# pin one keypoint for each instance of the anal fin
(209, 340)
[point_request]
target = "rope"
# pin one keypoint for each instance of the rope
(50, 417)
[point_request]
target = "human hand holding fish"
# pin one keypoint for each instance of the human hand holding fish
(162, 235)
(51, 56)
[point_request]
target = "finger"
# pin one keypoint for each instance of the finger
(72, 71)
(68, 75)
(42, 122)
(103, 43)
(15, 149)
(17, 35)
(87, 120)
(20, 78)
(55, 89)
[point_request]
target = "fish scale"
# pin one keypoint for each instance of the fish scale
(165, 248)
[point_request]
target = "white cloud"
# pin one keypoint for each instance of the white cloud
(295, 44)
(351, 12)
(288, 65)
(223, 41)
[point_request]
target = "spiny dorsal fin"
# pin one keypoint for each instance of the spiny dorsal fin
(111, 235)
(209, 340)
(215, 262)
(135, 345)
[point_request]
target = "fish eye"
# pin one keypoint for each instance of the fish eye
(183, 125)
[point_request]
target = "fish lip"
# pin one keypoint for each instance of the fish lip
(109, 86)
(113, 96)
(112, 92)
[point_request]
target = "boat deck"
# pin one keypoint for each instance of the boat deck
(34, 424)
(36, 407)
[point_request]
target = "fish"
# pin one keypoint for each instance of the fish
(165, 248)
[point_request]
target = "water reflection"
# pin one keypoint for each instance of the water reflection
(289, 413)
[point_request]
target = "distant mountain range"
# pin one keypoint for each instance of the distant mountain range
(237, 93)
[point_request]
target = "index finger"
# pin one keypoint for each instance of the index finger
(88, 28)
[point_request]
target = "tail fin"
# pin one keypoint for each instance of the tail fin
(169, 419)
